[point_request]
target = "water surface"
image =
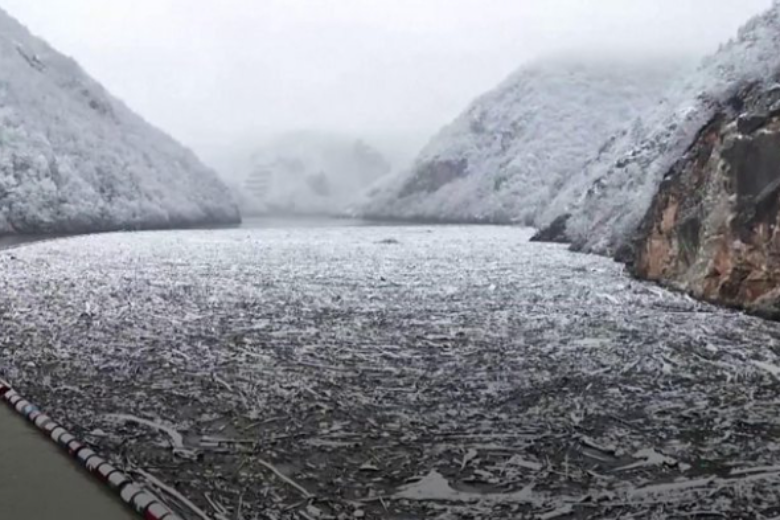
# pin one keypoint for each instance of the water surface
(397, 372)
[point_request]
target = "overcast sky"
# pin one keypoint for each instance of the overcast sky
(220, 74)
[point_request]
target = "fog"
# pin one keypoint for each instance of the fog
(223, 76)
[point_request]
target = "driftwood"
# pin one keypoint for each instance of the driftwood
(458, 374)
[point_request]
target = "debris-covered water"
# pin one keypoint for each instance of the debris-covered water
(395, 372)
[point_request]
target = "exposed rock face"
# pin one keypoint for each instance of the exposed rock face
(555, 232)
(713, 229)
(609, 197)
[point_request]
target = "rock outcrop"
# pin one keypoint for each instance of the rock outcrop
(609, 197)
(554, 233)
(713, 228)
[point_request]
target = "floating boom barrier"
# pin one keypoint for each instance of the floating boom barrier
(148, 506)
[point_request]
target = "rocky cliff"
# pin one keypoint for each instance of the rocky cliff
(713, 224)
(608, 198)
(713, 228)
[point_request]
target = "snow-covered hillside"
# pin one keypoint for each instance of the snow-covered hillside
(511, 152)
(73, 158)
(608, 200)
(310, 173)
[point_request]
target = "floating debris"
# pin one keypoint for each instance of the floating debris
(273, 374)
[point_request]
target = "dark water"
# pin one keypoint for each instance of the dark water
(37, 482)
(273, 222)
(299, 222)
(287, 222)
(8, 242)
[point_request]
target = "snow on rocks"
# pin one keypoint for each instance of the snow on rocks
(73, 158)
(462, 373)
(520, 152)
(608, 199)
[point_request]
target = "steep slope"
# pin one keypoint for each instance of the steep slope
(75, 159)
(713, 229)
(507, 156)
(310, 173)
(608, 200)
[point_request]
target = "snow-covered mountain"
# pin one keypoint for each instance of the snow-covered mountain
(310, 173)
(74, 159)
(511, 152)
(609, 198)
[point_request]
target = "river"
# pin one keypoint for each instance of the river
(312, 371)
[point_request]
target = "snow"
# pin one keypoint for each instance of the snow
(506, 157)
(310, 173)
(458, 372)
(611, 196)
(562, 138)
(74, 158)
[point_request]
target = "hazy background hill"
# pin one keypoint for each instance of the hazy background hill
(308, 173)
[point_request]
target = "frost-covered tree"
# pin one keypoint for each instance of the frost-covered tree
(507, 156)
(74, 159)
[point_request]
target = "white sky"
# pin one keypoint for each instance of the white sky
(221, 74)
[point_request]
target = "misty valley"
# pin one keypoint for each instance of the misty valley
(360, 283)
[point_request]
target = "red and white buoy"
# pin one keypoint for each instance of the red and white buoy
(147, 505)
